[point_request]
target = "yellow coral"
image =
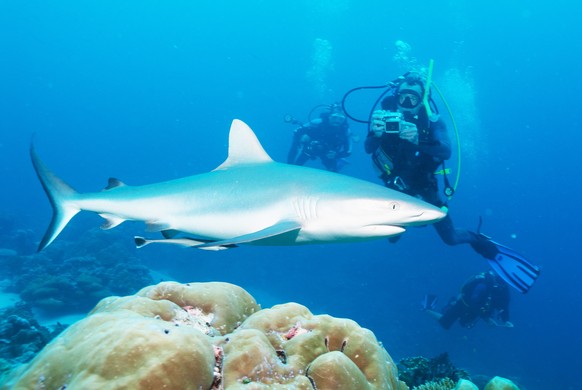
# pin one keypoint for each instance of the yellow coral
(464, 384)
(122, 349)
(208, 335)
(499, 383)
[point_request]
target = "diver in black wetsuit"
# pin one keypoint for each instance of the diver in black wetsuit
(327, 138)
(485, 296)
(407, 146)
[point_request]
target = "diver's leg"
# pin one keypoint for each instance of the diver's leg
(452, 235)
(445, 227)
(301, 159)
(451, 313)
(330, 164)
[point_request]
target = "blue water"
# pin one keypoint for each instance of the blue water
(146, 91)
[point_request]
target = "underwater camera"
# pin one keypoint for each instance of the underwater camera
(393, 122)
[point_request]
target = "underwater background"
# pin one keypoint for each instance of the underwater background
(146, 91)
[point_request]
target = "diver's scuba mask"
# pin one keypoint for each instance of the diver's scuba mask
(408, 98)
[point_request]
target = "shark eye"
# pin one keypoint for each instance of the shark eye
(394, 206)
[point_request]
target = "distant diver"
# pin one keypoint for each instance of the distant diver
(327, 138)
(485, 296)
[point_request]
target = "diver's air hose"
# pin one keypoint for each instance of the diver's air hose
(457, 137)
(425, 101)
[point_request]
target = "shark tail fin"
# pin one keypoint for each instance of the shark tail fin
(59, 194)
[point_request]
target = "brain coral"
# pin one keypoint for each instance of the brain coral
(207, 336)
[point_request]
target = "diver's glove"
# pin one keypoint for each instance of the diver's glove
(501, 324)
(408, 132)
(378, 125)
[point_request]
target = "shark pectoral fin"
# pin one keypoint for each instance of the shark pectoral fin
(111, 221)
(272, 232)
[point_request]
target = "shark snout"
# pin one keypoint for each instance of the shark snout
(431, 215)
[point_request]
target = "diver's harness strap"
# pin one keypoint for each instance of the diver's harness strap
(383, 163)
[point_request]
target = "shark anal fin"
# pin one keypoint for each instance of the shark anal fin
(270, 232)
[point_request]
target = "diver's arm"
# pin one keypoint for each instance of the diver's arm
(440, 145)
(372, 143)
(295, 145)
(345, 149)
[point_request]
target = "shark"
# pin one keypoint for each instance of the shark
(248, 199)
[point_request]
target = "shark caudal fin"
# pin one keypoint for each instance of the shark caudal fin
(59, 194)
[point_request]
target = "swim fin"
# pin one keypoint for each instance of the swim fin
(512, 267)
(429, 302)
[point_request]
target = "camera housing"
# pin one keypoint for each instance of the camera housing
(393, 122)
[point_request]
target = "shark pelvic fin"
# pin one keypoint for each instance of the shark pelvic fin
(243, 147)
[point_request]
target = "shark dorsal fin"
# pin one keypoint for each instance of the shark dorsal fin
(243, 147)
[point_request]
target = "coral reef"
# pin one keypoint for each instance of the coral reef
(21, 336)
(441, 384)
(71, 277)
(208, 336)
(416, 371)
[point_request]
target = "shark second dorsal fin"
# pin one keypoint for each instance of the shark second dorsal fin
(113, 183)
(243, 147)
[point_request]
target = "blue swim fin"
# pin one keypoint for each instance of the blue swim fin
(512, 267)
(429, 302)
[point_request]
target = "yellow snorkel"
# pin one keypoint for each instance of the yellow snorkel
(427, 89)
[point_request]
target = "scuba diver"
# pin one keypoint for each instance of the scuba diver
(408, 141)
(327, 137)
(485, 296)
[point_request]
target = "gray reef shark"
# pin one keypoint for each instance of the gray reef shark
(248, 199)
